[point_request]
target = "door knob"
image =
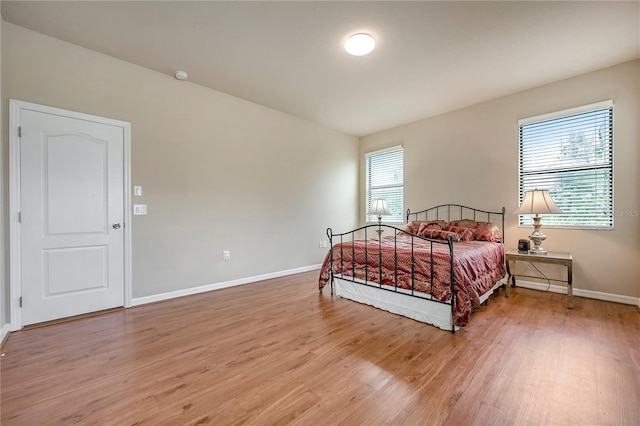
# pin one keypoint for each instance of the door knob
(116, 226)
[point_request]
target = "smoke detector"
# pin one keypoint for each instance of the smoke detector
(181, 75)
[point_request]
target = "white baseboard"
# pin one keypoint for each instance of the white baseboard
(4, 331)
(609, 297)
(209, 287)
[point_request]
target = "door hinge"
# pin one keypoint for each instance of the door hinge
(21, 301)
(19, 217)
(19, 131)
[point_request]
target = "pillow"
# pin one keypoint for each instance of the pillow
(414, 226)
(463, 223)
(466, 233)
(432, 224)
(410, 228)
(487, 231)
(440, 234)
(482, 231)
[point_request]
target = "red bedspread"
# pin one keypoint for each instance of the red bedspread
(478, 265)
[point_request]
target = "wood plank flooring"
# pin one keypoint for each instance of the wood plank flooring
(278, 352)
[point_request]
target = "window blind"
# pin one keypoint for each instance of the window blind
(385, 180)
(571, 155)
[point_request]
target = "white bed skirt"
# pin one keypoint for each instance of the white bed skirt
(422, 310)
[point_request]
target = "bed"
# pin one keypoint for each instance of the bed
(440, 267)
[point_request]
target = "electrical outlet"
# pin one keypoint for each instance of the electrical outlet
(139, 209)
(226, 255)
(323, 244)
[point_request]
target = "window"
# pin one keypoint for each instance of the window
(384, 176)
(570, 153)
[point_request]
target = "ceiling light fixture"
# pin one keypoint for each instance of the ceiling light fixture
(359, 44)
(181, 75)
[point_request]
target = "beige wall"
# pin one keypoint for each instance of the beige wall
(470, 157)
(218, 173)
(3, 274)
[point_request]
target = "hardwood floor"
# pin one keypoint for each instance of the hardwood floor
(278, 352)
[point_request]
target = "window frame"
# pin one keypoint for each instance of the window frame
(398, 219)
(526, 220)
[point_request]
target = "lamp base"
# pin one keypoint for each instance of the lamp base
(537, 237)
(379, 231)
(537, 251)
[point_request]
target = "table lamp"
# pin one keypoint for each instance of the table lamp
(537, 202)
(379, 208)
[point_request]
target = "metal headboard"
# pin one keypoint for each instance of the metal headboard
(451, 212)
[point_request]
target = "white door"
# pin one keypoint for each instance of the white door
(72, 212)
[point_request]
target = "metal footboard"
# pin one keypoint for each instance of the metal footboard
(363, 233)
(447, 212)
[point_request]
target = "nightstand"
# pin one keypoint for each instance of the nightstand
(552, 257)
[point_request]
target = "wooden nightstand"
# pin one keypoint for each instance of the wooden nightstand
(552, 257)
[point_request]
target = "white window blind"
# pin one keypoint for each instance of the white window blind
(571, 154)
(384, 180)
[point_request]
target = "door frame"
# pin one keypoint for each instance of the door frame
(15, 275)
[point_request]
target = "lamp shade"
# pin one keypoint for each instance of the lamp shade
(538, 201)
(379, 208)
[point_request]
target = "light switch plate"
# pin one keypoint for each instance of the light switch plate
(137, 191)
(139, 209)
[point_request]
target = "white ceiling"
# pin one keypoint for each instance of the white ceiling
(431, 57)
